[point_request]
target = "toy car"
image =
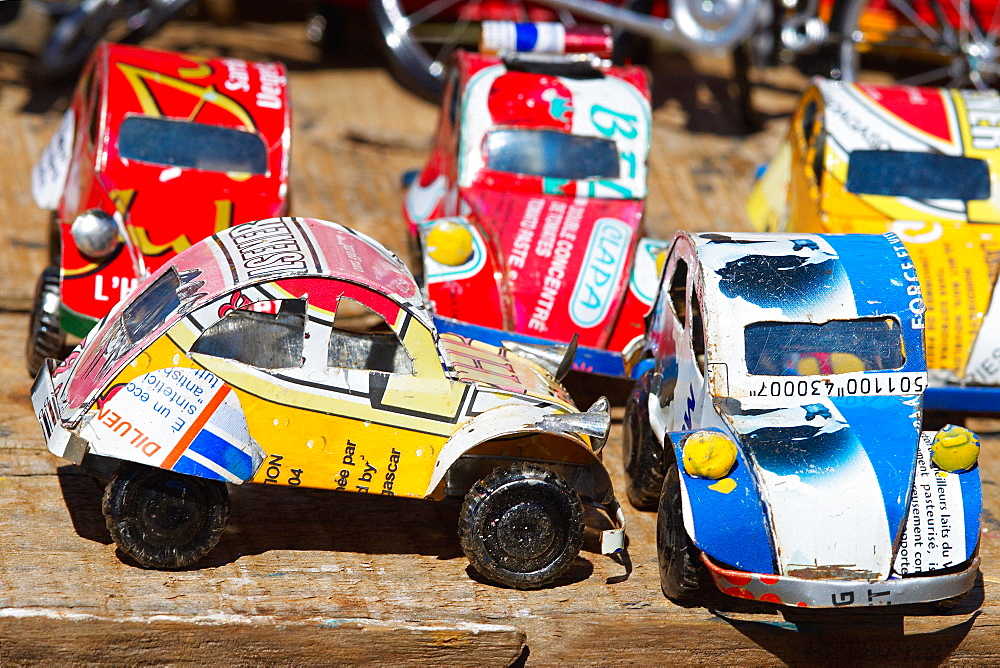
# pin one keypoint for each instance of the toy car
(528, 211)
(237, 362)
(919, 162)
(144, 131)
(776, 426)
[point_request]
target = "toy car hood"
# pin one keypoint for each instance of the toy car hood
(566, 261)
(832, 453)
(228, 261)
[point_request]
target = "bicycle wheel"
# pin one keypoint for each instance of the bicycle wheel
(952, 43)
(418, 37)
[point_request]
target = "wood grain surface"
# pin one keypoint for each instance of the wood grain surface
(308, 577)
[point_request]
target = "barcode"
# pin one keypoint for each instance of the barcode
(47, 418)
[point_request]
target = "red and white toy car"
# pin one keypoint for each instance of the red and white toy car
(529, 211)
(148, 132)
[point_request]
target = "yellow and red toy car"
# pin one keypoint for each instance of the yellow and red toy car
(922, 163)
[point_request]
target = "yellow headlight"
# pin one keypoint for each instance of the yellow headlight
(709, 454)
(955, 449)
(449, 243)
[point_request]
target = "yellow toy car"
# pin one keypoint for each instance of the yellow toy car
(237, 362)
(919, 162)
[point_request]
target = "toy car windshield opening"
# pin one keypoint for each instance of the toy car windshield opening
(150, 309)
(837, 346)
(552, 154)
(917, 175)
(210, 148)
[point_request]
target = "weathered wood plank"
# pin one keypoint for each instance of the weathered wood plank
(305, 576)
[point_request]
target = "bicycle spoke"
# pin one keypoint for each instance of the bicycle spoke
(451, 41)
(967, 21)
(906, 10)
(924, 78)
(433, 9)
(991, 32)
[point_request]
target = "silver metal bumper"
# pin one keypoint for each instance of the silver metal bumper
(803, 593)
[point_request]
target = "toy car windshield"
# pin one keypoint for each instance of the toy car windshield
(152, 307)
(837, 346)
(918, 175)
(552, 154)
(191, 145)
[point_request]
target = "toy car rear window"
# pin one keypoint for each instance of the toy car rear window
(918, 175)
(552, 154)
(191, 145)
(837, 346)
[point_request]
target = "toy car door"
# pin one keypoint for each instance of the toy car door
(332, 404)
(680, 341)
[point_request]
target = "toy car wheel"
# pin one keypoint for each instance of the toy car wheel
(641, 452)
(521, 526)
(45, 336)
(682, 573)
(164, 519)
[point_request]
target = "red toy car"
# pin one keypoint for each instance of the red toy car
(146, 132)
(528, 212)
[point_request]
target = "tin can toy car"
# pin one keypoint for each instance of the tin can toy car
(232, 363)
(776, 428)
(528, 212)
(921, 163)
(145, 130)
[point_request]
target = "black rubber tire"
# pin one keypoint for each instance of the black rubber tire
(163, 519)
(45, 335)
(682, 573)
(521, 526)
(642, 454)
(77, 34)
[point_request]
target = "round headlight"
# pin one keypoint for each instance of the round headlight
(449, 243)
(95, 233)
(708, 454)
(955, 449)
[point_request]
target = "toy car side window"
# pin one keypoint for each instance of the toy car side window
(678, 291)
(814, 133)
(263, 340)
(809, 120)
(361, 339)
(94, 110)
(697, 330)
(455, 97)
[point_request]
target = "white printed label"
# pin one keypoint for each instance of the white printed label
(48, 178)
(934, 536)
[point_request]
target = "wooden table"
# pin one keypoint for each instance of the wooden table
(308, 577)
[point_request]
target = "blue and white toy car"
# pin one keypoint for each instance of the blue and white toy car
(776, 425)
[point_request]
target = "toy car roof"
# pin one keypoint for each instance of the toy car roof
(804, 278)
(253, 95)
(289, 248)
(909, 118)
